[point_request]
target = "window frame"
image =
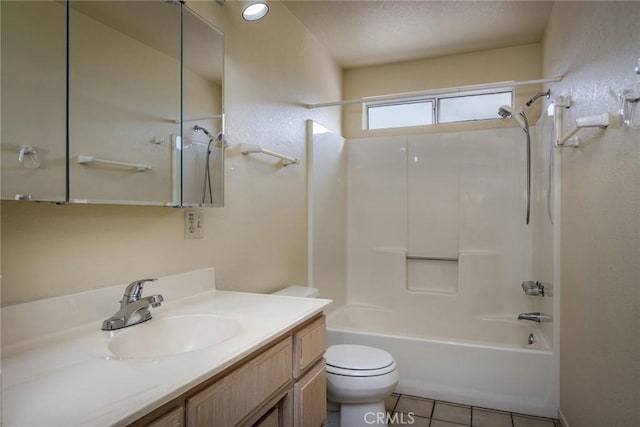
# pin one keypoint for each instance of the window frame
(435, 102)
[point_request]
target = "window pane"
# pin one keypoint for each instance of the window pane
(472, 107)
(400, 115)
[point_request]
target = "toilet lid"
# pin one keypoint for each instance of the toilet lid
(357, 357)
(361, 372)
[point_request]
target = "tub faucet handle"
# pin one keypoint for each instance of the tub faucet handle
(533, 288)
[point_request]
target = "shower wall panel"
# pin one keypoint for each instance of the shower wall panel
(458, 195)
(376, 210)
(433, 195)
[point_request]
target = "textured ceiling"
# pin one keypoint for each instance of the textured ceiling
(358, 33)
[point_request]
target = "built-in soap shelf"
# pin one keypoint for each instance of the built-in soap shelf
(431, 274)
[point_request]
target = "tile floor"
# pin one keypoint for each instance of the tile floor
(430, 413)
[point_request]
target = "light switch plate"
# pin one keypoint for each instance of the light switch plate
(193, 224)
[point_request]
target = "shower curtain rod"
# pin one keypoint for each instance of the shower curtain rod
(447, 90)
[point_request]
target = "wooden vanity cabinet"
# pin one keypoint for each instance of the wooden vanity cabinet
(282, 384)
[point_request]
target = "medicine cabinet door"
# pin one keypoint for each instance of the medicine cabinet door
(124, 98)
(203, 124)
(33, 134)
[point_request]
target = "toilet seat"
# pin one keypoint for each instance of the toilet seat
(358, 361)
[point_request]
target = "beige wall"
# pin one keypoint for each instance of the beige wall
(257, 242)
(498, 65)
(594, 45)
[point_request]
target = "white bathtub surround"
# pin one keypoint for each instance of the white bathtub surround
(439, 196)
(58, 370)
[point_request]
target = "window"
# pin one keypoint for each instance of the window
(471, 107)
(445, 108)
(401, 114)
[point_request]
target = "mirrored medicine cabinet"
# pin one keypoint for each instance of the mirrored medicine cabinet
(111, 102)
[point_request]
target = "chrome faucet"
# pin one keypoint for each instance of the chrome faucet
(133, 308)
(535, 317)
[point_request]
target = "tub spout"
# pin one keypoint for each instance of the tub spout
(535, 317)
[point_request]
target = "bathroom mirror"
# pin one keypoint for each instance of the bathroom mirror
(33, 87)
(140, 76)
(124, 101)
(202, 130)
(127, 101)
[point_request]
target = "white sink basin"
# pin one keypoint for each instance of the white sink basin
(172, 335)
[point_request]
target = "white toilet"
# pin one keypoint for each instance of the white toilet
(359, 378)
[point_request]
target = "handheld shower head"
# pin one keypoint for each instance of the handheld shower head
(505, 111)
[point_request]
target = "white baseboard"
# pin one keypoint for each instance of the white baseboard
(562, 419)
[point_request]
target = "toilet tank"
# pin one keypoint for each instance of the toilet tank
(299, 291)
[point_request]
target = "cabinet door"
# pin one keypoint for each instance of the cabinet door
(202, 156)
(124, 100)
(236, 396)
(34, 94)
(310, 398)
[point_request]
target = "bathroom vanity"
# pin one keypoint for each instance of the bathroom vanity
(281, 384)
(264, 365)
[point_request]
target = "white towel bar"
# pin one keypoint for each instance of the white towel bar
(84, 159)
(251, 149)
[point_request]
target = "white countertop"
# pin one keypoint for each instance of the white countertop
(70, 378)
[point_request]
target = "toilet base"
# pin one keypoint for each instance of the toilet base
(363, 414)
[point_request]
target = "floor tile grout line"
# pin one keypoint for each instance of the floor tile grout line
(433, 410)
(396, 404)
(470, 407)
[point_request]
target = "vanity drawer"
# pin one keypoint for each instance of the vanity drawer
(234, 397)
(309, 344)
(272, 419)
(174, 418)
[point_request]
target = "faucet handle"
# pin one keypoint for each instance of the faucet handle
(533, 288)
(133, 292)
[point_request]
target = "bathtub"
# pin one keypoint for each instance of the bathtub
(484, 362)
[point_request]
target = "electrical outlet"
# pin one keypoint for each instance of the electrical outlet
(193, 225)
